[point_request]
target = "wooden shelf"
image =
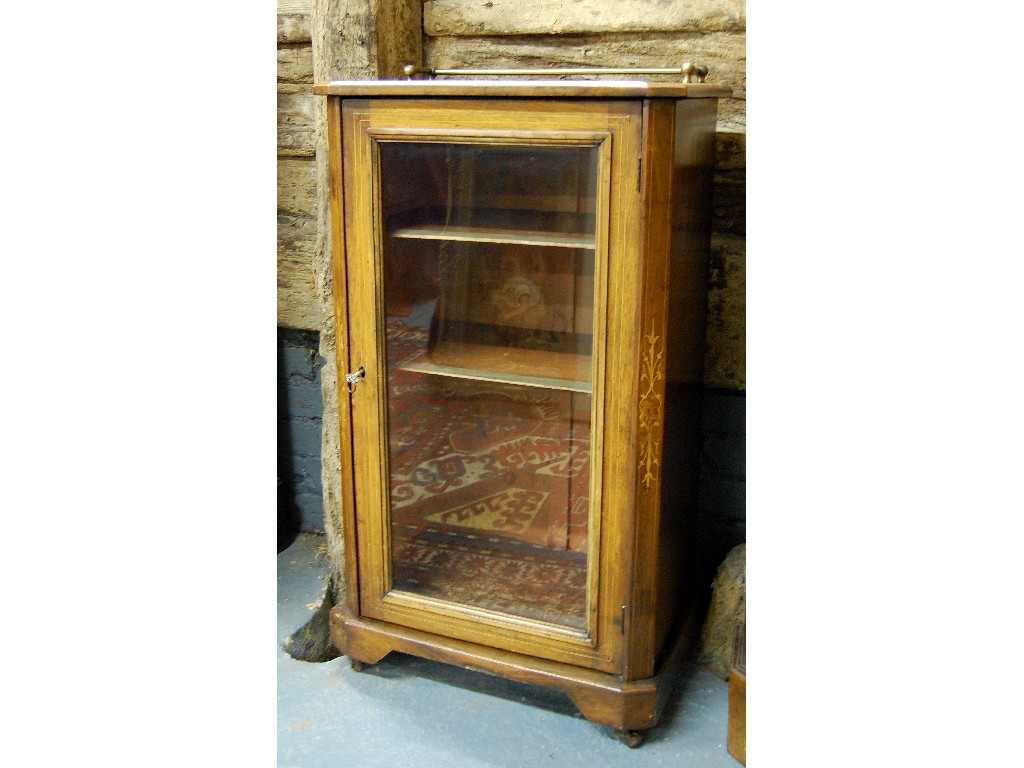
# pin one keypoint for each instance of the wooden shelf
(489, 235)
(492, 226)
(528, 367)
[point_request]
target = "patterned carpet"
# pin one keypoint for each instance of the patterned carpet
(489, 489)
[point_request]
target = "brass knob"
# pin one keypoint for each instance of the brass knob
(351, 379)
(411, 71)
(693, 73)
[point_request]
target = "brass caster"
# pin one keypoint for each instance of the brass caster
(357, 665)
(632, 739)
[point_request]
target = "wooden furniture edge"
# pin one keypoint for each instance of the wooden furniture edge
(602, 698)
(336, 196)
(736, 741)
(524, 89)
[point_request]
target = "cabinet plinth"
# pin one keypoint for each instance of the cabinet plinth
(521, 279)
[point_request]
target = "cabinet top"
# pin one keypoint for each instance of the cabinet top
(523, 89)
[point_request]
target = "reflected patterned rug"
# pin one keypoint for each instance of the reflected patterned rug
(489, 488)
(495, 459)
(492, 573)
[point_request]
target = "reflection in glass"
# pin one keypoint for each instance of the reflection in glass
(489, 291)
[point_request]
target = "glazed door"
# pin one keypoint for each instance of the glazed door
(478, 257)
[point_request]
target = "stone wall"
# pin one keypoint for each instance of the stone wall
(300, 404)
(297, 306)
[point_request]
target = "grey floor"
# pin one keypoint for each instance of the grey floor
(412, 712)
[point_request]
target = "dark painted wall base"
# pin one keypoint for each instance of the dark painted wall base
(722, 516)
(299, 419)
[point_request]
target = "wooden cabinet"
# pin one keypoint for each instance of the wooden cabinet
(520, 289)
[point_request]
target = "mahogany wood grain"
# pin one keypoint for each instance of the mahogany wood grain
(692, 177)
(656, 215)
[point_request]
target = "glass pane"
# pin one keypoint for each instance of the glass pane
(489, 291)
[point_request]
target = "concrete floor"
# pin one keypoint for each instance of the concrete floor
(407, 712)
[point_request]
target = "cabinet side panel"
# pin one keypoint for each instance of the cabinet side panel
(656, 219)
(693, 169)
(692, 182)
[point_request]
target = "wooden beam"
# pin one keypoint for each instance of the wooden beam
(358, 40)
(475, 18)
